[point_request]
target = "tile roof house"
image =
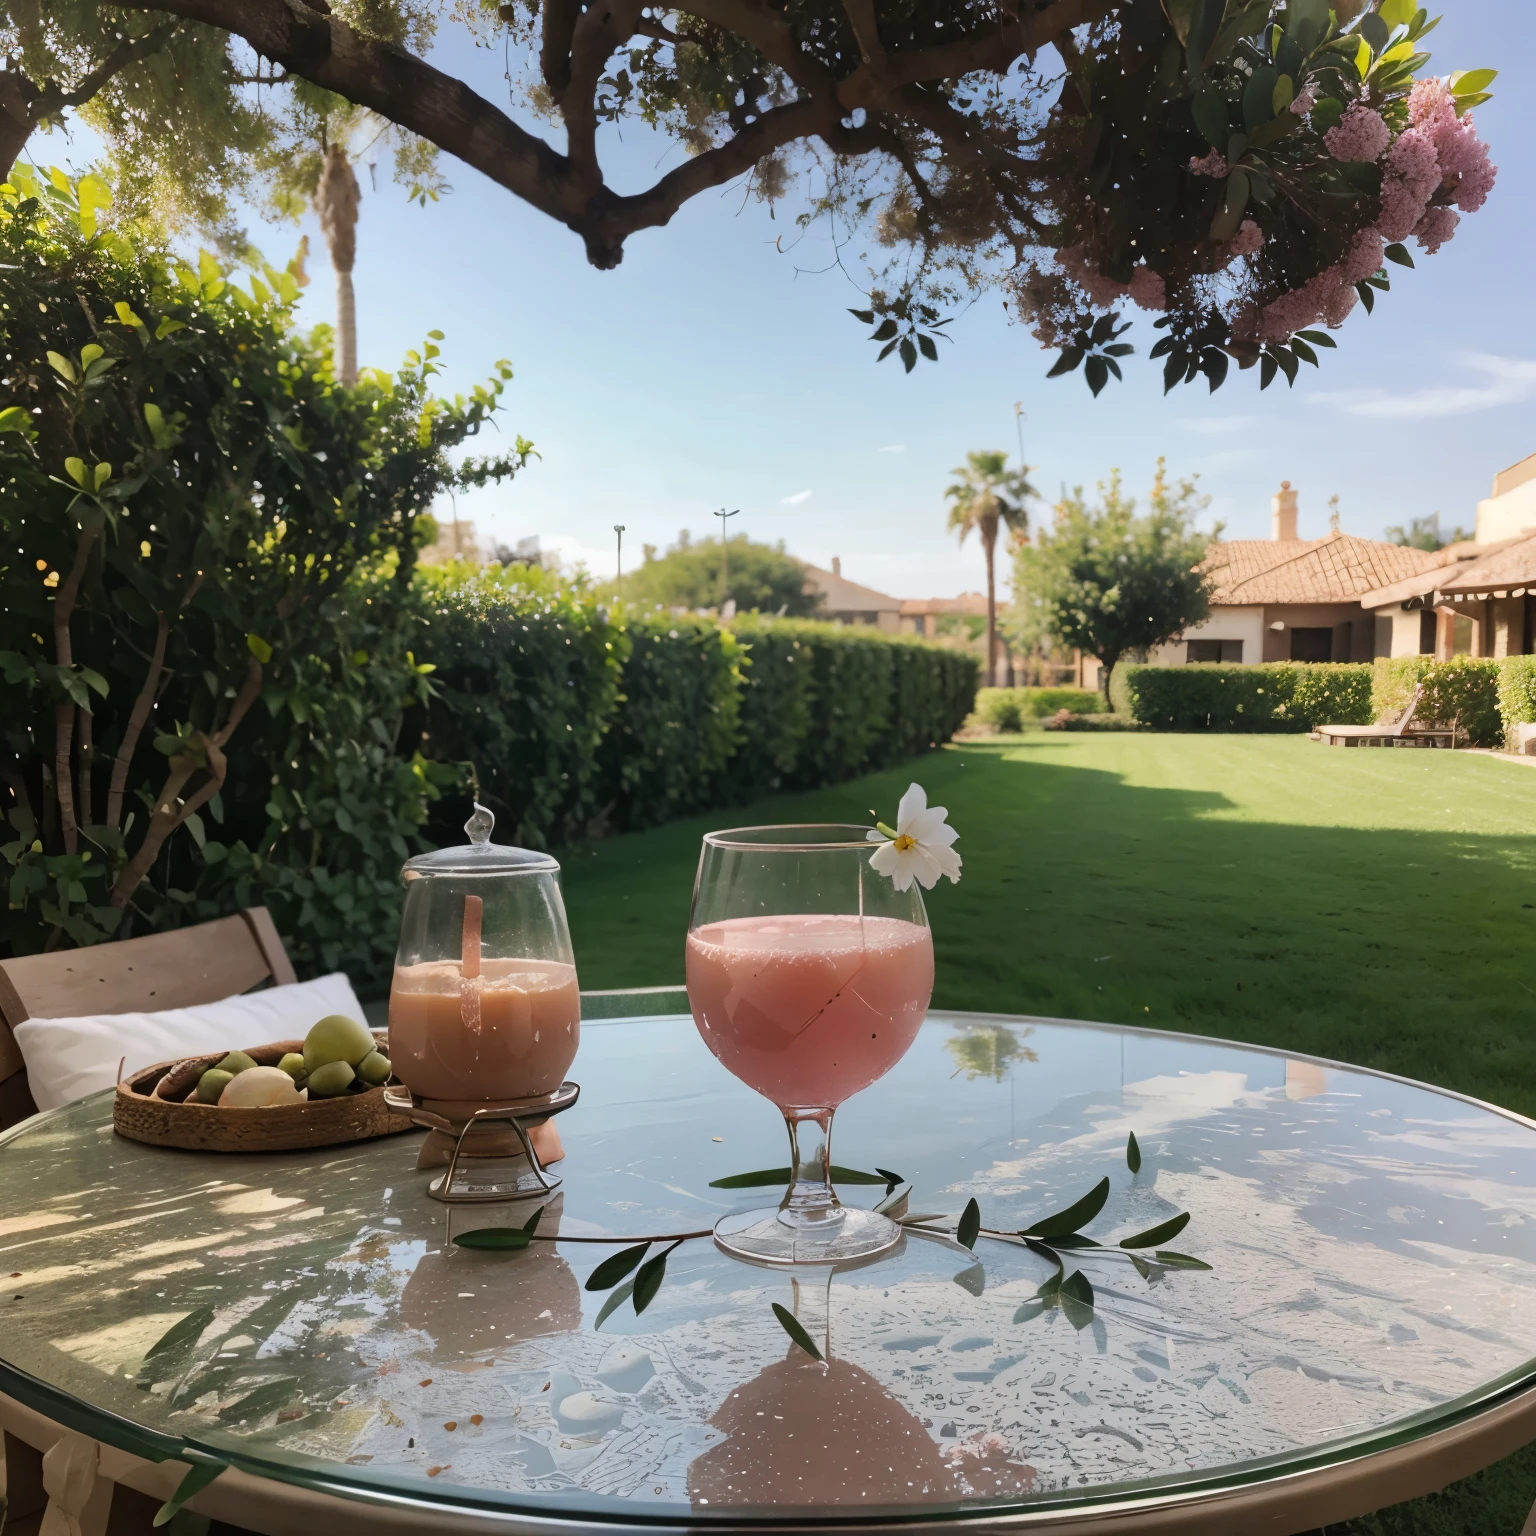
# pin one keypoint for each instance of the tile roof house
(1286, 598)
(921, 615)
(846, 602)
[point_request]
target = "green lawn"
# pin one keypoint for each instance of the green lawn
(1374, 906)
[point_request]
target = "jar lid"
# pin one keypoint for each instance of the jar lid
(480, 856)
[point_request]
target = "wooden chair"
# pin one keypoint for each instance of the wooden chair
(161, 970)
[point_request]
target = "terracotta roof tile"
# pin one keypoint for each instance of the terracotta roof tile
(1514, 565)
(1334, 569)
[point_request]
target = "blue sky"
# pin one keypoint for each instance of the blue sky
(711, 370)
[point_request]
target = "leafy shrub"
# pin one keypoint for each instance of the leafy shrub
(1273, 696)
(778, 686)
(1006, 709)
(1463, 691)
(935, 690)
(527, 683)
(1517, 694)
(204, 647)
(1070, 720)
(677, 722)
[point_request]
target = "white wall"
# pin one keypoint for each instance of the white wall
(1509, 515)
(1225, 623)
(1405, 630)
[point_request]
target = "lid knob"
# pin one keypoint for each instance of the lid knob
(480, 826)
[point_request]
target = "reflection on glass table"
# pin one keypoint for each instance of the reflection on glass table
(1372, 1243)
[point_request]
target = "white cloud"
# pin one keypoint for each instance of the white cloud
(1509, 381)
(895, 448)
(795, 500)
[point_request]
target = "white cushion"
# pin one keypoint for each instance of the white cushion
(69, 1058)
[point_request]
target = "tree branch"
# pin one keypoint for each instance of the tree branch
(64, 714)
(136, 722)
(127, 52)
(604, 27)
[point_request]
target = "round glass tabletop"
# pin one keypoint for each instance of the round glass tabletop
(1372, 1245)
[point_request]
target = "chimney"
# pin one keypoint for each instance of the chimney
(837, 564)
(1282, 508)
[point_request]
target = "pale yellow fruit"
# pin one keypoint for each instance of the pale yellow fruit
(374, 1068)
(334, 1078)
(212, 1083)
(337, 1038)
(260, 1088)
(293, 1064)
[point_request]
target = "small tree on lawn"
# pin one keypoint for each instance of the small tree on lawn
(1108, 582)
(762, 578)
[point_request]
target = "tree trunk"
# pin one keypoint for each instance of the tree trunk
(336, 200)
(989, 546)
(1107, 666)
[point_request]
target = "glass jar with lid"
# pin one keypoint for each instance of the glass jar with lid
(484, 1007)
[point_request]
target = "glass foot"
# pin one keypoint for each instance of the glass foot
(763, 1238)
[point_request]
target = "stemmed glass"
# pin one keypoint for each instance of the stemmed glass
(809, 976)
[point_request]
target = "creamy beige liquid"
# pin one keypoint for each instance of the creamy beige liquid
(509, 1033)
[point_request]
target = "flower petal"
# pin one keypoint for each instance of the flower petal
(925, 866)
(901, 878)
(948, 863)
(873, 836)
(913, 804)
(885, 860)
(930, 827)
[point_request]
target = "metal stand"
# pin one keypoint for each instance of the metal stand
(461, 1183)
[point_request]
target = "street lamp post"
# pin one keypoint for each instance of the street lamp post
(618, 579)
(725, 559)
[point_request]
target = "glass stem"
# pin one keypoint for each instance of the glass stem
(810, 1199)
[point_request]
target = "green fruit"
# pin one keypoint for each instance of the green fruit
(212, 1083)
(236, 1061)
(293, 1064)
(374, 1068)
(334, 1078)
(336, 1038)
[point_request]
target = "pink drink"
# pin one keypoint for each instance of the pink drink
(809, 1009)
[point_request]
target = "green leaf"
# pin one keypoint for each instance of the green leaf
(927, 347)
(764, 1178)
(1069, 359)
(94, 681)
(1071, 1240)
(1076, 1299)
(1179, 1260)
(1300, 349)
(258, 648)
(15, 418)
(1398, 253)
(866, 315)
(1096, 372)
(891, 1179)
(1133, 1153)
(1283, 95)
(1397, 13)
(886, 330)
(167, 325)
(103, 473)
(502, 1238)
(1326, 113)
(648, 1280)
(791, 1325)
(613, 1303)
(62, 366)
(187, 1331)
(1367, 298)
(1374, 30)
(1318, 338)
(75, 469)
(1158, 1234)
(615, 1267)
(970, 1225)
(1045, 1251)
(1257, 96)
(1210, 113)
(1079, 1214)
(1469, 82)
(197, 1478)
(908, 354)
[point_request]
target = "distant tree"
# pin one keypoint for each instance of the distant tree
(1106, 581)
(1424, 533)
(762, 577)
(986, 496)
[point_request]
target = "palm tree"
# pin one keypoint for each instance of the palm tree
(987, 495)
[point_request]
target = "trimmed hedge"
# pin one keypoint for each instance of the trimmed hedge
(676, 727)
(1463, 691)
(570, 722)
(1272, 696)
(1006, 709)
(1517, 693)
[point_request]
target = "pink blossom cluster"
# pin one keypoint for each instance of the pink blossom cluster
(1145, 288)
(1213, 164)
(1328, 297)
(1439, 154)
(1361, 134)
(1248, 239)
(1463, 157)
(1436, 227)
(1305, 102)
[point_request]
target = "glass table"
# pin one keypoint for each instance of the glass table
(1371, 1296)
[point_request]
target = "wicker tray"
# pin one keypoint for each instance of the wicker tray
(152, 1106)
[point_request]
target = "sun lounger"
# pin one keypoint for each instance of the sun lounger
(1401, 732)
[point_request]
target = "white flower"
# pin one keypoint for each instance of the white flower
(920, 847)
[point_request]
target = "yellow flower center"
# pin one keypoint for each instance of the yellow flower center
(904, 844)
